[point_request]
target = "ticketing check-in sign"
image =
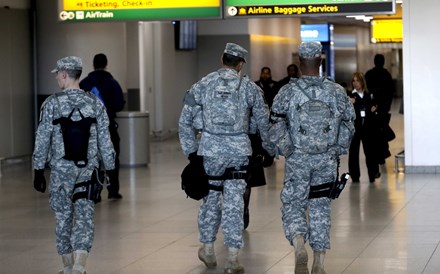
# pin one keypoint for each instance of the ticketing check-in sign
(112, 10)
(270, 8)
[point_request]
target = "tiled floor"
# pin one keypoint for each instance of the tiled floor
(391, 226)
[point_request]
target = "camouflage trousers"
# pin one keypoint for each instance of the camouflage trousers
(74, 221)
(225, 209)
(302, 171)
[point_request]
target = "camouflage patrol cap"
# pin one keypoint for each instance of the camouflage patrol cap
(236, 50)
(68, 63)
(310, 50)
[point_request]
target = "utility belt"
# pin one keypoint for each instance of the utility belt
(231, 173)
(330, 190)
(93, 187)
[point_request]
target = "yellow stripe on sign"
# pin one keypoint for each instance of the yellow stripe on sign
(136, 4)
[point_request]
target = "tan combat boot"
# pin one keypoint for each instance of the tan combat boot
(79, 258)
(207, 255)
(301, 257)
(233, 266)
(318, 263)
(68, 264)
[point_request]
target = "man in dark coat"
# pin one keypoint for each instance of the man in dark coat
(102, 83)
(380, 85)
(292, 72)
(268, 85)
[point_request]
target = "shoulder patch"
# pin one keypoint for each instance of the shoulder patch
(189, 99)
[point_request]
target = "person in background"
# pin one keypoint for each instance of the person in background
(292, 72)
(268, 85)
(365, 131)
(102, 83)
(381, 87)
(68, 178)
(313, 157)
(223, 100)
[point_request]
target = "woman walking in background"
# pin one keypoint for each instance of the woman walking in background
(366, 131)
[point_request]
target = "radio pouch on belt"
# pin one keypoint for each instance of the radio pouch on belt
(75, 137)
(330, 190)
(93, 188)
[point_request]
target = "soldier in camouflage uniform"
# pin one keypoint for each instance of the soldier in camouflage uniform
(304, 169)
(226, 98)
(74, 220)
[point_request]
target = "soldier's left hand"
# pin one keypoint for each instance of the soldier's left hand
(39, 180)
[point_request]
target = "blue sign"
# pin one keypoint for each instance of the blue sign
(315, 32)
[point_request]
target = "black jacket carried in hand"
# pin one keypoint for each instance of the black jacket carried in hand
(258, 161)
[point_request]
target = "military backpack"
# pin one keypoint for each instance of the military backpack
(314, 123)
(76, 135)
(224, 110)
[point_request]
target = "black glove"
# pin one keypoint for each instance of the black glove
(194, 158)
(39, 180)
(267, 159)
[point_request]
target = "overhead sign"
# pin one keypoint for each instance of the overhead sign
(270, 8)
(141, 10)
(386, 31)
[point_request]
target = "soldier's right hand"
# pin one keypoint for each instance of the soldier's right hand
(267, 159)
(39, 180)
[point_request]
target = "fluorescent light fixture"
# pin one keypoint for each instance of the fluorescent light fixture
(361, 17)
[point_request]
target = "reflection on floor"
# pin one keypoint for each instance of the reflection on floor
(391, 226)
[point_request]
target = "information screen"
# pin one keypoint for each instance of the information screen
(141, 10)
(386, 31)
(271, 8)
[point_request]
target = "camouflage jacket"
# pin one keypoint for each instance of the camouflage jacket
(216, 144)
(49, 145)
